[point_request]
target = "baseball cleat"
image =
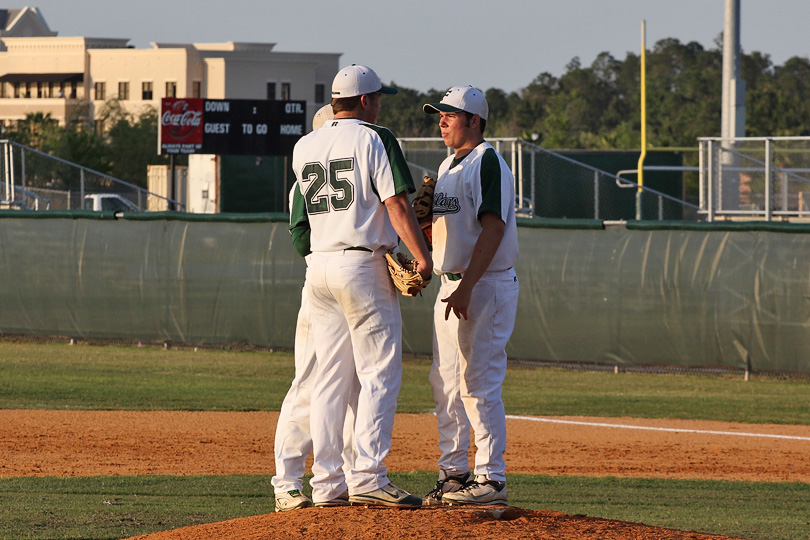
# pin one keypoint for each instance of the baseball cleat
(446, 484)
(292, 500)
(388, 495)
(479, 491)
(340, 500)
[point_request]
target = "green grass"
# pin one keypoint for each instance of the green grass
(761, 510)
(123, 506)
(697, 397)
(47, 376)
(44, 376)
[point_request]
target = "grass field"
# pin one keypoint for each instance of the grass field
(42, 376)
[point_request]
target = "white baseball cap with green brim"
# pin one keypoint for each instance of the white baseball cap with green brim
(357, 80)
(461, 98)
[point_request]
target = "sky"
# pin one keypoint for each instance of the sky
(436, 44)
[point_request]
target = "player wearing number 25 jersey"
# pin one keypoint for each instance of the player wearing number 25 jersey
(349, 207)
(343, 195)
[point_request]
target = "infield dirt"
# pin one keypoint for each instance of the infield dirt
(79, 443)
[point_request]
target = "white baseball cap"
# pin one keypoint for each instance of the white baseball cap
(461, 98)
(324, 113)
(357, 80)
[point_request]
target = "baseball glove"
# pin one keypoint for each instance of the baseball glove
(404, 275)
(423, 206)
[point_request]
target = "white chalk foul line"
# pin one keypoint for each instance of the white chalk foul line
(653, 428)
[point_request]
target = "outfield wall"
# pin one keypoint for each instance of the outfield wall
(648, 293)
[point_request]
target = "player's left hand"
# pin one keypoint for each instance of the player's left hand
(406, 274)
(458, 302)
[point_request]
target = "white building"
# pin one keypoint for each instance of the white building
(72, 78)
(68, 77)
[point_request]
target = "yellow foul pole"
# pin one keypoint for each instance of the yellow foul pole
(643, 118)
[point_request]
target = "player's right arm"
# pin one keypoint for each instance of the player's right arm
(399, 208)
(404, 221)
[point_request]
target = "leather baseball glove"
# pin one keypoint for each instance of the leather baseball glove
(404, 275)
(423, 206)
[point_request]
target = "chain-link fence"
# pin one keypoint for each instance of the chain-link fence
(755, 178)
(35, 180)
(552, 184)
(576, 184)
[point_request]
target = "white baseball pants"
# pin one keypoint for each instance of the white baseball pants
(358, 328)
(293, 442)
(469, 366)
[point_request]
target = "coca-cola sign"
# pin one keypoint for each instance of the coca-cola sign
(181, 125)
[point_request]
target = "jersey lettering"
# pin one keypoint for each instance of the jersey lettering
(442, 204)
(320, 200)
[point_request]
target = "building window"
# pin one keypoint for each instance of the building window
(171, 89)
(100, 89)
(99, 125)
(123, 91)
(196, 89)
(320, 93)
(40, 90)
(285, 91)
(73, 89)
(146, 91)
(271, 91)
(50, 92)
(16, 89)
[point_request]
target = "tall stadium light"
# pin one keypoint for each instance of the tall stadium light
(732, 118)
(733, 113)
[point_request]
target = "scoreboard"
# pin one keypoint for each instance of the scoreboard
(230, 126)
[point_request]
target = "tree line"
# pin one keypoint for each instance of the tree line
(595, 107)
(599, 106)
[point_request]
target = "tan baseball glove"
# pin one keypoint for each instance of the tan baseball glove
(404, 275)
(423, 206)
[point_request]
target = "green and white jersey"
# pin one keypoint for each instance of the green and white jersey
(480, 182)
(344, 172)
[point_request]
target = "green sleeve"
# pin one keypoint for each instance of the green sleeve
(403, 181)
(300, 238)
(491, 185)
(299, 225)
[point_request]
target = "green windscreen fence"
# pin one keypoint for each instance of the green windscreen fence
(254, 184)
(227, 279)
(567, 189)
(648, 293)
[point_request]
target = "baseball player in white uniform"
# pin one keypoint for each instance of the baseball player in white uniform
(350, 206)
(474, 249)
(293, 442)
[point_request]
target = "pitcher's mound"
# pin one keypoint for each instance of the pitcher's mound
(445, 523)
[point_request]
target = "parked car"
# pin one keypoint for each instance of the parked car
(109, 201)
